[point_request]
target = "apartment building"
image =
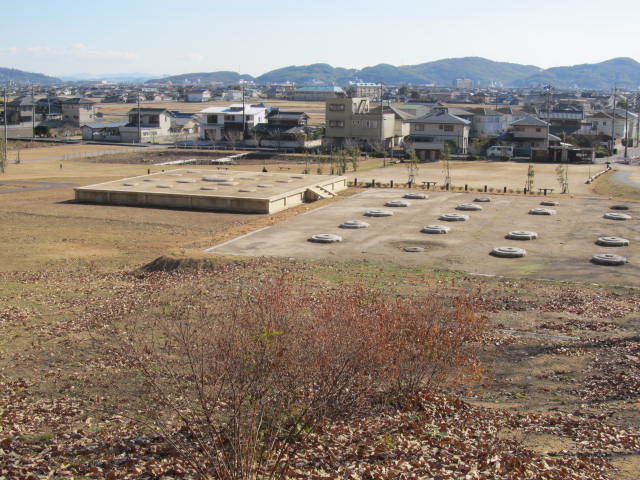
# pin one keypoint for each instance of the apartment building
(352, 120)
(367, 90)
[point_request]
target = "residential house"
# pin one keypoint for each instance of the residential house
(620, 123)
(316, 94)
(146, 125)
(530, 131)
(183, 123)
(401, 127)
(77, 111)
(20, 110)
(414, 110)
(490, 122)
(103, 131)
(601, 123)
(350, 119)
(530, 137)
(50, 107)
(198, 95)
(286, 130)
(134, 97)
(437, 130)
(563, 118)
(115, 98)
(225, 123)
(231, 95)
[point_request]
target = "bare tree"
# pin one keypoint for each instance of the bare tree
(531, 173)
(237, 379)
(562, 172)
(233, 136)
(446, 166)
(412, 168)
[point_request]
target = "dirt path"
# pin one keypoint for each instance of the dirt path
(68, 152)
(31, 186)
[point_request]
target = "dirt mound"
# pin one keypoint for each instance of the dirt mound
(171, 264)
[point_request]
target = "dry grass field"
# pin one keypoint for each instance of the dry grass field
(558, 398)
(496, 175)
(115, 111)
(59, 151)
(107, 234)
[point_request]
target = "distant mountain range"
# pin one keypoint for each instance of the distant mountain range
(22, 78)
(205, 78)
(624, 72)
(133, 77)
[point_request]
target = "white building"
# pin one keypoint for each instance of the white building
(217, 122)
(605, 123)
(155, 125)
(490, 122)
(200, 95)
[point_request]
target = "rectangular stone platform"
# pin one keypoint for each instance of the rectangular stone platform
(228, 190)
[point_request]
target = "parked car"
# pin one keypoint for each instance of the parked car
(498, 151)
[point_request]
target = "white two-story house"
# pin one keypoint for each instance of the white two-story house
(431, 133)
(154, 125)
(217, 123)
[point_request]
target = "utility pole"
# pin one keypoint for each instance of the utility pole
(33, 113)
(637, 120)
(244, 118)
(5, 153)
(139, 120)
(548, 88)
(626, 127)
(382, 145)
(613, 121)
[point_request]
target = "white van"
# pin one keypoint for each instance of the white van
(498, 151)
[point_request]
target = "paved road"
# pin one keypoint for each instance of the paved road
(633, 152)
(33, 186)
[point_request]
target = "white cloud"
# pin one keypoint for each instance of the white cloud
(8, 50)
(79, 50)
(195, 57)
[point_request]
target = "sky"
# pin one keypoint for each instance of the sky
(65, 37)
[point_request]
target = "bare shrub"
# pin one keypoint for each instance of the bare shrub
(236, 380)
